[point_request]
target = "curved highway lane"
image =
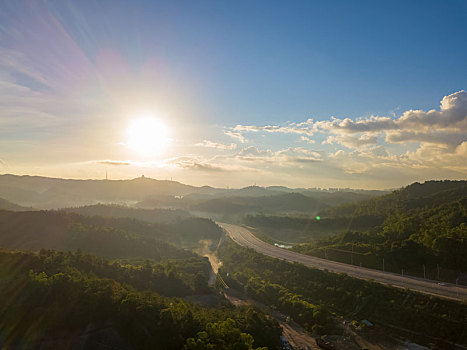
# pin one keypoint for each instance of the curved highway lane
(245, 238)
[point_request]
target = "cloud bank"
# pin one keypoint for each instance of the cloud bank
(396, 150)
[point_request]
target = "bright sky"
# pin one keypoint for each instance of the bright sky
(363, 94)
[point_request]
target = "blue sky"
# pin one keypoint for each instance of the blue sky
(73, 74)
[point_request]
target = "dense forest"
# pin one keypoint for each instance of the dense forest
(295, 229)
(56, 299)
(120, 211)
(414, 196)
(318, 299)
(53, 300)
(419, 226)
(269, 201)
(110, 237)
(288, 202)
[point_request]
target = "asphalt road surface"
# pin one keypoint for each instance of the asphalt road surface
(245, 238)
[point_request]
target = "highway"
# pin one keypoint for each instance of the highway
(245, 238)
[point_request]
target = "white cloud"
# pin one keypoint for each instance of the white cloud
(210, 144)
(301, 151)
(351, 141)
(430, 155)
(281, 158)
(253, 154)
(452, 115)
(199, 164)
(447, 126)
(290, 128)
(434, 136)
(347, 125)
(236, 135)
(115, 162)
(307, 139)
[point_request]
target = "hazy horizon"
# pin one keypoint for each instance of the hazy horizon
(204, 184)
(304, 95)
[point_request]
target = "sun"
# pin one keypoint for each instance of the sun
(147, 135)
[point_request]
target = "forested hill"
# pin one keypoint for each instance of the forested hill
(120, 211)
(55, 300)
(414, 196)
(419, 225)
(283, 203)
(110, 237)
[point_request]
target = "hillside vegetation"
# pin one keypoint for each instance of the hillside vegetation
(120, 211)
(415, 196)
(52, 300)
(318, 299)
(254, 200)
(297, 229)
(109, 237)
(421, 224)
(284, 203)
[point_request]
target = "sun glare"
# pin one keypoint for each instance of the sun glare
(147, 135)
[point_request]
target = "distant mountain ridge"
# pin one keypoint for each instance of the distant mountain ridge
(46, 193)
(56, 192)
(7, 205)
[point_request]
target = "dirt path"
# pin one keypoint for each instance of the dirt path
(295, 334)
(204, 250)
